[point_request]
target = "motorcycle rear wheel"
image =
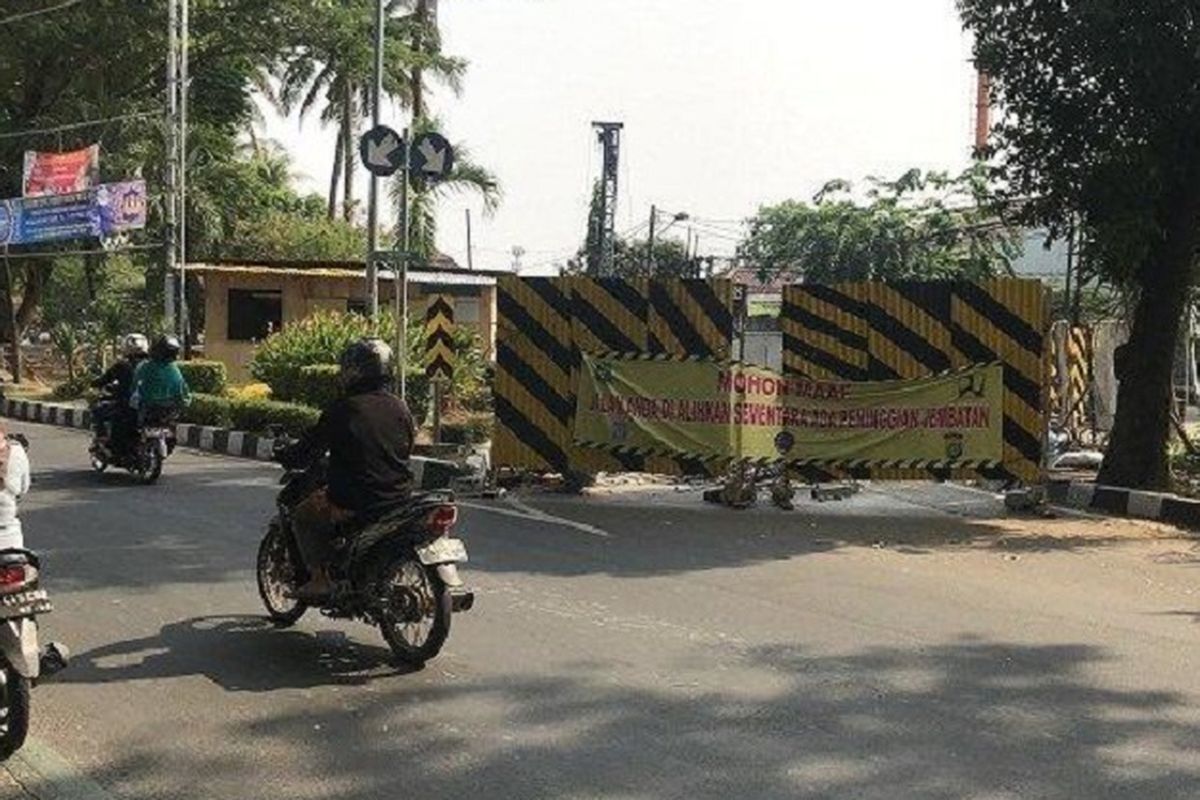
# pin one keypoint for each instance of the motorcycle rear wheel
(150, 464)
(277, 577)
(416, 619)
(14, 711)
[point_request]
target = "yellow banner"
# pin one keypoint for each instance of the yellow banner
(704, 409)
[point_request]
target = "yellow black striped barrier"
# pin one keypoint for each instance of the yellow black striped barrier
(857, 331)
(906, 330)
(439, 337)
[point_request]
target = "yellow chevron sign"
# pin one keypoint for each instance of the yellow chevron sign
(439, 337)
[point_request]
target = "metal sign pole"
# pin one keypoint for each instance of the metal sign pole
(184, 33)
(400, 290)
(172, 131)
(373, 181)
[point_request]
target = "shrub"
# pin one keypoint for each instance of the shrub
(473, 428)
(205, 377)
(319, 340)
(256, 416)
(73, 389)
(251, 391)
(252, 416)
(318, 385)
(208, 409)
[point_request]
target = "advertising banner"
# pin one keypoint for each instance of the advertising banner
(709, 410)
(60, 173)
(109, 208)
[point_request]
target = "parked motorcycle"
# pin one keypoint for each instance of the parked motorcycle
(142, 454)
(21, 661)
(399, 571)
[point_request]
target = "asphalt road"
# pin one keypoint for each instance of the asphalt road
(878, 648)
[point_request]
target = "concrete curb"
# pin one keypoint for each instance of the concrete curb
(1171, 509)
(428, 473)
(198, 437)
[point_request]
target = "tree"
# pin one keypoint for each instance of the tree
(332, 68)
(919, 227)
(1101, 128)
(103, 60)
(467, 176)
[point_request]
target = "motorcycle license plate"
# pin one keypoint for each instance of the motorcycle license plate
(443, 551)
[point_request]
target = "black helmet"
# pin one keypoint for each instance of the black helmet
(166, 348)
(366, 364)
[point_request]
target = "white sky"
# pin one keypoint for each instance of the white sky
(727, 106)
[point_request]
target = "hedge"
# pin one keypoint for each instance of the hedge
(317, 386)
(252, 416)
(205, 377)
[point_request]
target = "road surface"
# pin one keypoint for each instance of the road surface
(896, 645)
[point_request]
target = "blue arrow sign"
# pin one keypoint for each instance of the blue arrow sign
(382, 151)
(431, 157)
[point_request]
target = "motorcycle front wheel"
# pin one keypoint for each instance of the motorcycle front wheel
(14, 711)
(417, 608)
(278, 578)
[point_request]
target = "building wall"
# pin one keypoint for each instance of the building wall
(303, 296)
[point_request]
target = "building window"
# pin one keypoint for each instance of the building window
(466, 310)
(254, 314)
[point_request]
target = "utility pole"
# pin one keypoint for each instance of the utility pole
(650, 242)
(171, 129)
(610, 140)
(184, 80)
(373, 190)
(470, 254)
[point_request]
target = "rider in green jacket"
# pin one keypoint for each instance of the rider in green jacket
(158, 381)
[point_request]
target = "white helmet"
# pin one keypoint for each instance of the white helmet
(135, 344)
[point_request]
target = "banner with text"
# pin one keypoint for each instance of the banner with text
(60, 173)
(708, 410)
(102, 211)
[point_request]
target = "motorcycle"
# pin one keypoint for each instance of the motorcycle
(143, 454)
(398, 571)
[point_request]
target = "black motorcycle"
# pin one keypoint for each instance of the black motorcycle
(397, 570)
(141, 452)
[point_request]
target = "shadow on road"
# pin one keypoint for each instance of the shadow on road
(968, 719)
(239, 654)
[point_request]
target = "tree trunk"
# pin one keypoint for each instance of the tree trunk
(14, 330)
(418, 84)
(348, 152)
(335, 178)
(1137, 452)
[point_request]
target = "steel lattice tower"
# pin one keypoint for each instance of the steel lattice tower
(610, 139)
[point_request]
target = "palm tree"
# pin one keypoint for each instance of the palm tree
(467, 176)
(333, 70)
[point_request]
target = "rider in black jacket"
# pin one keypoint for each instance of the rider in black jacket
(118, 381)
(369, 436)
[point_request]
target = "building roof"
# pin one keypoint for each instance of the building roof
(444, 272)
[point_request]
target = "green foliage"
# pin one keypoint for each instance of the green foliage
(288, 236)
(473, 428)
(1099, 134)
(250, 415)
(319, 386)
(256, 416)
(319, 340)
(632, 257)
(924, 226)
(66, 339)
(208, 410)
(471, 383)
(75, 388)
(205, 377)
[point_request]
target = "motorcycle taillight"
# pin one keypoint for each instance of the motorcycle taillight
(442, 519)
(14, 577)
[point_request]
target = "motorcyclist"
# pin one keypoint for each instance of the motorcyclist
(369, 435)
(158, 384)
(14, 484)
(118, 381)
